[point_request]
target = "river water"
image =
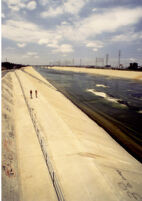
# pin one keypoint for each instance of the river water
(114, 103)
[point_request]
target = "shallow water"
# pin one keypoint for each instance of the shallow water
(116, 100)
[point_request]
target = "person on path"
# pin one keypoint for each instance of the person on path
(31, 94)
(36, 93)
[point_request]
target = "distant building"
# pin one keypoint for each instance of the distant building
(133, 66)
(108, 66)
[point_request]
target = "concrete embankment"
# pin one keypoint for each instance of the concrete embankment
(61, 153)
(108, 72)
(10, 181)
(24, 172)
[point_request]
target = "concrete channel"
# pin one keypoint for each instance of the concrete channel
(61, 153)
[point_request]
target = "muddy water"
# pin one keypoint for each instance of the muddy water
(114, 103)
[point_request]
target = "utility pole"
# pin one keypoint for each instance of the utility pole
(96, 62)
(73, 61)
(119, 55)
(80, 62)
(107, 58)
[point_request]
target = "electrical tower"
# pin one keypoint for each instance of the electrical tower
(73, 61)
(107, 59)
(119, 55)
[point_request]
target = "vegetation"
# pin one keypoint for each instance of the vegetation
(8, 65)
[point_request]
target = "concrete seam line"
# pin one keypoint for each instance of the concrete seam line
(42, 143)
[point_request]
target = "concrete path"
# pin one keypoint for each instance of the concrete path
(62, 146)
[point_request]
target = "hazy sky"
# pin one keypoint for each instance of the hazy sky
(44, 31)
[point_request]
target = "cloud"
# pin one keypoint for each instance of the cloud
(94, 9)
(32, 53)
(95, 44)
(64, 23)
(31, 5)
(95, 49)
(3, 15)
(132, 59)
(48, 43)
(54, 44)
(127, 37)
(64, 48)
(52, 12)
(15, 5)
(74, 6)
(109, 21)
(9, 48)
(69, 6)
(81, 31)
(43, 41)
(44, 2)
(21, 44)
(27, 32)
(139, 49)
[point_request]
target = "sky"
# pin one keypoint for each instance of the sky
(72, 31)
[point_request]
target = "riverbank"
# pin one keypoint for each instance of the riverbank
(86, 162)
(107, 72)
